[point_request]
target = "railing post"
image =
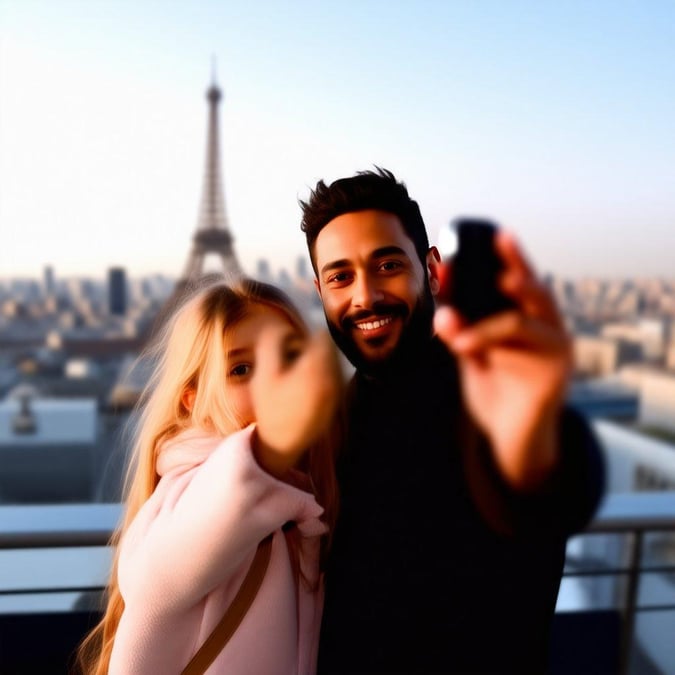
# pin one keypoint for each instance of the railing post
(634, 565)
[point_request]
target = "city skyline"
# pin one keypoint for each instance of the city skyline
(557, 121)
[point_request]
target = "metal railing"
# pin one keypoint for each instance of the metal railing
(635, 515)
(39, 526)
(91, 525)
(51, 556)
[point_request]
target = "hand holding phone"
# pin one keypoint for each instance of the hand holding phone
(472, 287)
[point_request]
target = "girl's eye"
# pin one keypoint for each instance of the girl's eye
(241, 370)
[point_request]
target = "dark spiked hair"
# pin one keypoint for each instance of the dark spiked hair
(377, 189)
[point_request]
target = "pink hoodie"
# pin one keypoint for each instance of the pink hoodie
(187, 551)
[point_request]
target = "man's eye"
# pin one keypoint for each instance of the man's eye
(390, 266)
(241, 370)
(338, 277)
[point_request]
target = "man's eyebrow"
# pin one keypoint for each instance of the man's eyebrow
(335, 265)
(388, 250)
(381, 252)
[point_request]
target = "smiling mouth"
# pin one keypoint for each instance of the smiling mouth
(366, 326)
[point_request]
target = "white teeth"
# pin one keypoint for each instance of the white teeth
(372, 325)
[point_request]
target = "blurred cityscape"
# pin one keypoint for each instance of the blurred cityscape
(70, 373)
(624, 345)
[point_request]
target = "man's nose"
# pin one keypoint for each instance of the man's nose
(366, 292)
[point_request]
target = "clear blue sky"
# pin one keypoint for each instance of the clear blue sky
(557, 119)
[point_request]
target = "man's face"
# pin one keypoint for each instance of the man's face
(371, 282)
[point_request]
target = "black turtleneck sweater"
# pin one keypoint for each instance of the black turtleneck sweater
(436, 566)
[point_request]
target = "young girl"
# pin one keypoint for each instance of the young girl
(234, 443)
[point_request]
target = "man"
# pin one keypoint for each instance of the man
(463, 474)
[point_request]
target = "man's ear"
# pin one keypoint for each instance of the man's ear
(433, 262)
(317, 286)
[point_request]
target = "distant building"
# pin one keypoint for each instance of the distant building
(117, 291)
(670, 356)
(50, 285)
(598, 356)
(284, 280)
(301, 270)
(650, 334)
(263, 272)
(79, 369)
(657, 394)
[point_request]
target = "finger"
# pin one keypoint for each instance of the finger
(317, 378)
(512, 329)
(521, 282)
(269, 358)
(512, 255)
(447, 324)
(532, 296)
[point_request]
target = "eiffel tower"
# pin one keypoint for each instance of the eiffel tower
(213, 233)
(213, 236)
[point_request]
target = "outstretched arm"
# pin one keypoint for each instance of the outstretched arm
(514, 368)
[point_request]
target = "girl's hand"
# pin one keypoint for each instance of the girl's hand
(295, 388)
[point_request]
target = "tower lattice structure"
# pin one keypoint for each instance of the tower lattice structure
(213, 236)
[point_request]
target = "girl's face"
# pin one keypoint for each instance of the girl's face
(240, 357)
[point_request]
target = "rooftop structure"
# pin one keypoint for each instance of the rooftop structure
(46, 448)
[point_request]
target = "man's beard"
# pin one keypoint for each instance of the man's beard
(417, 331)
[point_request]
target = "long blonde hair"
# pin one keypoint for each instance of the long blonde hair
(189, 355)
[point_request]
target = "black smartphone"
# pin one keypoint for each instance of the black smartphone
(472, 287)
